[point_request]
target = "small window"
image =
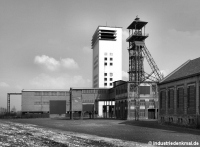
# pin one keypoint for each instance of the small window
(105, 84)
(105, 53)
(111, 54)
(111, 59)
(111, 79)
(111, 74)
(111, 64)
(110, 84)
(46, 93)
(61, 93)
(105, 58)
(105, 79)
(53, 93)
(105, 64)
(105, 74)
(38, 93)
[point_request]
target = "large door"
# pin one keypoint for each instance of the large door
(151, 113)
(57, 107)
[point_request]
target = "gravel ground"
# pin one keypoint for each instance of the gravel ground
(29, 135)
(109, 132)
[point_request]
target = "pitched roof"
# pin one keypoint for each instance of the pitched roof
(189, 68)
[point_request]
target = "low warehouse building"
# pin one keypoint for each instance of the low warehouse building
(37, 101)
(179, 95)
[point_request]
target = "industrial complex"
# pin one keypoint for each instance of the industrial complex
(173, 99)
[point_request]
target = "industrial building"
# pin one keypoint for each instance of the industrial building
(37, 101)
(107, 56)
(99, 102)
(179, 99)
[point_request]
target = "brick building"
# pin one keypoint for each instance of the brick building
(179, 95)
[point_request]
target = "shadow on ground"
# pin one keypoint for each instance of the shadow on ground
(155, 125)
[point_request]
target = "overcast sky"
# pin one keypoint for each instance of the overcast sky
(46, 44)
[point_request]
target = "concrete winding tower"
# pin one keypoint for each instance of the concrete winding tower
(107, 56)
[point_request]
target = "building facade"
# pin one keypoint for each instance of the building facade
(37, 101)
(179, 102)
(95, 101)
(127, 106)
(107, 56)
(117, 102)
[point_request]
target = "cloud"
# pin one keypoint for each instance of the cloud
(44, 81)
(69, 63)
(124, 75)
(87, 50)
(52, 64)
(3, 84)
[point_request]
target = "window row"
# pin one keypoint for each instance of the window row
(111, 64)
(111, 59)
(88, 101)
(167, 98)
(100, 91)
(111, 54)
(105, 79)
(53, 93)
(111, 74)
(106, 84)
(41, 103)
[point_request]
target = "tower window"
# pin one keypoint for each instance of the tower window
(105, 58)
(105, 74)
(111, 79)
(111, 59)
(110, 84)
(105, 63)
(105, 84)
(111, 64)
(105, 79)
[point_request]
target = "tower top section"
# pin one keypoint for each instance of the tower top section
(105, 33)
(137, 31)
(137, 24)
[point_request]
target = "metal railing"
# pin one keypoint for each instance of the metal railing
(137, 34)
